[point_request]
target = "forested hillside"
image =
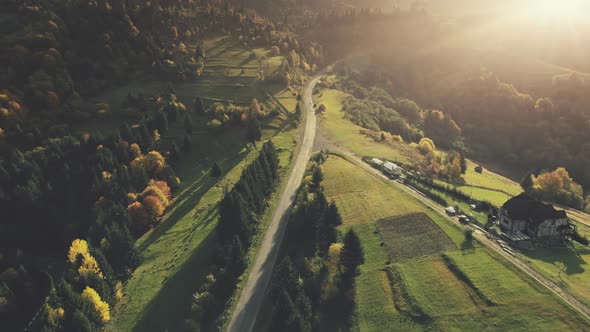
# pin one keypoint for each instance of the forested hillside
(513, 110)
(83, 174)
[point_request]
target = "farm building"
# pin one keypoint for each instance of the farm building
(392, 169)
(526, 221)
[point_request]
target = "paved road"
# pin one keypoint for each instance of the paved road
(480, 236)
(246, 310)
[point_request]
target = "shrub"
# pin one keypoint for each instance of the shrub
(426, 146)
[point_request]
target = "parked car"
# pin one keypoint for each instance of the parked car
(451, 211)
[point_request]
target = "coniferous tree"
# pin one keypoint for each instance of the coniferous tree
(237, 259)
(174, 152)
(188, 123)
(199, 107)
(216, 170)
(527, 182)
(272, 158)
(282, 311)
(284, 278)
(233, 218)
(162, 122)
(352, 254)
(187, 143)
(125, 132)
(333, 216)
(317, 176)
(298, 112)
(171, 113)
(254, 133)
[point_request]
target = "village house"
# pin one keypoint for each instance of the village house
(526, 222)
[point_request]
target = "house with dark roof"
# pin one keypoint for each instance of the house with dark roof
(526, 222)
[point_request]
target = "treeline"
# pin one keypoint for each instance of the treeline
(555, 186)
(314, 281)
(428, 186)
(239, 213)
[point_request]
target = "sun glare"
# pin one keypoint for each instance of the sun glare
(562, 10)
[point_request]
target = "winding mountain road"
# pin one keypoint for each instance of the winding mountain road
(248, 306)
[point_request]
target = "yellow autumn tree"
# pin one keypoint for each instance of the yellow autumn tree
(100, 306)
(152, 163)
(78, 247)
(89, 263)
(426, 146)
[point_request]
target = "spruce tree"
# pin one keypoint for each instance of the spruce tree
(254, 132)
(162, 122)
(333, 217)
(125, 132)
(216, 170)
(188, 123)
(282, 310)
(527, 182)
(352, 254)
(187, 143)
(237, 259)
(233, 219)
(317, 176)
(199, 107)
(298, 111)
(174, 152)
(284, 278)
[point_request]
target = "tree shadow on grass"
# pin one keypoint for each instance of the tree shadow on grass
(569, 257)
(189, 199)
(171, 306)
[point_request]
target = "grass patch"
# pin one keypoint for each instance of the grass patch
(345, 133)
(522, 304)
(489, 179)
(567, 267)
(412, 236)
(495, 197)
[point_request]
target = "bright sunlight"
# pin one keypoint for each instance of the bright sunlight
(557, 10)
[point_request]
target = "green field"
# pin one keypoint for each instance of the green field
(425, 294)
(489, 179)
(344, 133)
(176, 256)
(567, 267)
(412, 236)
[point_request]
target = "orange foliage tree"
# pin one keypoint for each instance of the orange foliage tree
(154, 207)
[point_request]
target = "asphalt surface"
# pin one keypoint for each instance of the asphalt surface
(250, 301)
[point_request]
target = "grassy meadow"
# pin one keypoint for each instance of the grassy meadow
(426, 293)
(342, 132)
(176, 255)
(567, 267)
